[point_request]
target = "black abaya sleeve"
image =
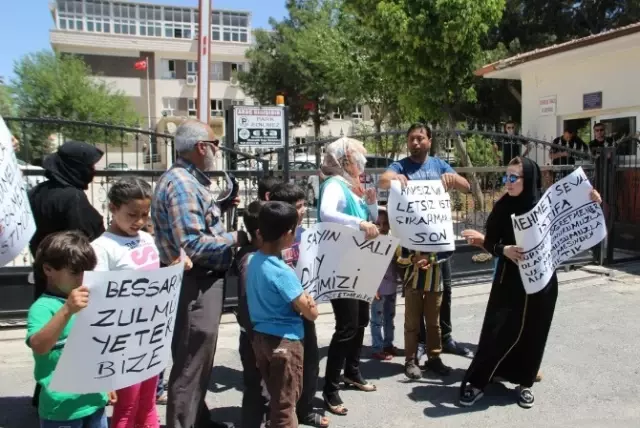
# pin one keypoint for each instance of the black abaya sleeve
(495, 231)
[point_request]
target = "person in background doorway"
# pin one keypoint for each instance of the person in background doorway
(595, 147)
(187, 218)
(420, 166)
(600, 141)
(511, 146)
(60, 203)
(383, 307)
(561, 156)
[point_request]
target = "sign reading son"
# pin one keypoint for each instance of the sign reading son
(337, 262)
(420, 215)
(564, 223)
(123, 336)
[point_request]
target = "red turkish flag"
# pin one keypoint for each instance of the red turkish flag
(140, 65)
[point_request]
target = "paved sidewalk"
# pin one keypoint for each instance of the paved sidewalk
(591, 370)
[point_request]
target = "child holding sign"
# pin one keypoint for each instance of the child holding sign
(126, 246)
(276, 299)
(61, 259)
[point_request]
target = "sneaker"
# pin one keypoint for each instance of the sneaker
(420, 353)
(470, 396)
(525, 398)
(382, 356)
(436, 365)
(412, 371)
(392, 350)
(453, 347)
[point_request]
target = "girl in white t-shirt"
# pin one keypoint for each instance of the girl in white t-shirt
(126, 246)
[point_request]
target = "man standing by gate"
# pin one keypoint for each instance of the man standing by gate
(420, 166)
(187, 218)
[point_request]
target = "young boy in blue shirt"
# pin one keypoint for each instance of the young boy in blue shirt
(276, 299)
(295, 196)
(62, 258)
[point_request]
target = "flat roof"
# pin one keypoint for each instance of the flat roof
(54, 5)
(558, 48)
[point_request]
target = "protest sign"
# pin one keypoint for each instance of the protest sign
(17, 225)
(337, 262)
(123, 336)
(420, 215)
(564, 223)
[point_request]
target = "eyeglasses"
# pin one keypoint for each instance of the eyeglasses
(511, 178)
(214, 142)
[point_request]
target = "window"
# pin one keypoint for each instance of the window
(70, 15)
(150, 21)
(230, 27)
(237, 67)
(98, 16)
(216, 108)
(357, 112)
(168, 69)
(124, 18)
(337, 114)
(192, 68)
(191, 107)
(216, 71)
(237, 102)
(169, 105)
(178, 23)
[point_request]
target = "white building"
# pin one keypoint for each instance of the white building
(111, 36)
(577, 84)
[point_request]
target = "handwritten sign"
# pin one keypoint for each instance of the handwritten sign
(337, 262)
(564, 223)
(17, 225)
(123, 336)
(420, 215)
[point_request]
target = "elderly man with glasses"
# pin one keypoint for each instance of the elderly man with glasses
(186, 217)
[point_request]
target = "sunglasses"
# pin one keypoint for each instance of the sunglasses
(214, 142)
(511, 178)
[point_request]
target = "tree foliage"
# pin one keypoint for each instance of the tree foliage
(47, 84)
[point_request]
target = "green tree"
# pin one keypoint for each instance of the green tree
(48, 84)
(7, 104)
(433, 47)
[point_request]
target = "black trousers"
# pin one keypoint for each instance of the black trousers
(446, 327)
(310, 370)
(352, 317)
(254, 405)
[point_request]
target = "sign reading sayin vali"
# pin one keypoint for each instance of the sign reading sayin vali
(564, 223)
(420, 215)
(16, 220)
(259, 126)
(123, 336)
(337, 262)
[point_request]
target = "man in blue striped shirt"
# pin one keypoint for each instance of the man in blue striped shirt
(187, 218)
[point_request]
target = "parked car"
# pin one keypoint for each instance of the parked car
(118, 167)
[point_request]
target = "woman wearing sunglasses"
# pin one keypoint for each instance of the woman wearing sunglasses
(516, 325)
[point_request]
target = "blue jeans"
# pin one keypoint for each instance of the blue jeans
(383, 311)
(97, 420)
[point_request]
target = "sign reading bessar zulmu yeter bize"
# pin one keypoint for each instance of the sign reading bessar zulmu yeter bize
(259, 126)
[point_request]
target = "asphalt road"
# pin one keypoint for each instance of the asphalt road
(591, 369)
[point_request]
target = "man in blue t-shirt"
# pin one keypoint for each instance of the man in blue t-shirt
(420, 166)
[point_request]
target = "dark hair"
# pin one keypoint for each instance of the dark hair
(598, 124)
(266, 185)
(250, 218)
(569, 130)
(129, 189)
(276, 219)
(419, 126)
(287, 192)
(65, 250)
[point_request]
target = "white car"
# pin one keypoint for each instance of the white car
(31, 181)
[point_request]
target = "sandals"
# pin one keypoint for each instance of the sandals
(315, 420)
(337, 409)
(161, 400)
(361, 384)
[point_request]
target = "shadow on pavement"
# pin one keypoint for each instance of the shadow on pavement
(227, 414)
(444, 399)
(17, 412)
(225, 378)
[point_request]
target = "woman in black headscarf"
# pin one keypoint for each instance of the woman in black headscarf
(516, 324)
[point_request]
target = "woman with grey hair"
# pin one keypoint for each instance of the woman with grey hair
(342, 200)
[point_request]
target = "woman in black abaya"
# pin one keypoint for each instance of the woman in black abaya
(516, 324)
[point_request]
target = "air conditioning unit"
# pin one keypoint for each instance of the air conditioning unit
(234, 81)
(192, 80)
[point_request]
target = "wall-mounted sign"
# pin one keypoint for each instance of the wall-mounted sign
(547, 105)
(262, 127)
(592, 100)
